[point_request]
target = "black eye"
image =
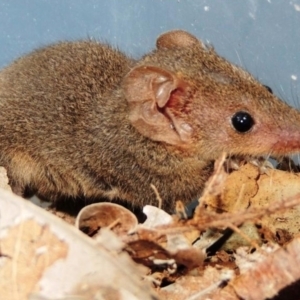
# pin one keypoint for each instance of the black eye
(268, 89)
(242, 121)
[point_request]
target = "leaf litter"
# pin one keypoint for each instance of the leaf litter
(242, 242)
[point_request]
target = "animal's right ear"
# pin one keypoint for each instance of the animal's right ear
(154, 96)
(175, 39)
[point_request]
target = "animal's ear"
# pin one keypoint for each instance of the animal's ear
(154, 96)
(175, 39)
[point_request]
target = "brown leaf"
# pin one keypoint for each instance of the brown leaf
(274, 272)
(98, 215)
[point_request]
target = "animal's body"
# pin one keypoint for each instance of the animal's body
(81, 119)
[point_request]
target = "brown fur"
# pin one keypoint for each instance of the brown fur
(80, 119)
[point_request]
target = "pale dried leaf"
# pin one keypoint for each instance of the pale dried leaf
(43, 256)
(155, 217)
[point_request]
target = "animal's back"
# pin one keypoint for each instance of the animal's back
(48, 99)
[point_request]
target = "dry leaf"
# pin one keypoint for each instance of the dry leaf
(43, 257)
(272, 272)
(101, 215)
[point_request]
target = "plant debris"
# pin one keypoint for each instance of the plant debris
(241, 243)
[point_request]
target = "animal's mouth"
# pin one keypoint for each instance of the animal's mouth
(287, 142)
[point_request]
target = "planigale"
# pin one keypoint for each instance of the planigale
(83, 120)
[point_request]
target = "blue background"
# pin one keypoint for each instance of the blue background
(263, 36)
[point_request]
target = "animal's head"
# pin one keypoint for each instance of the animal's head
(184, 94)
